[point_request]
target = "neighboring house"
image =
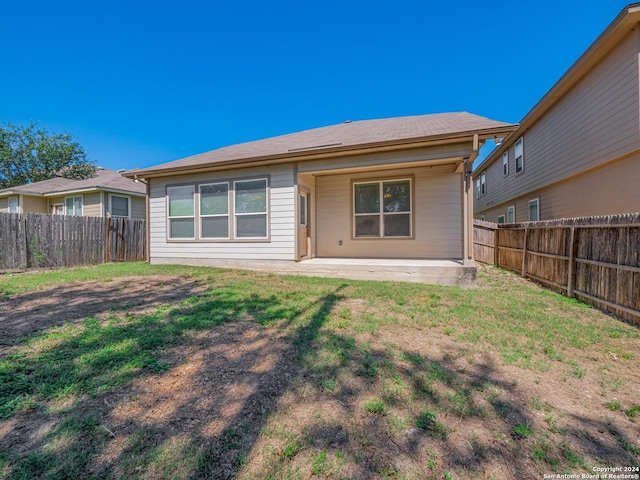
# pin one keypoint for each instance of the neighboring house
(378, 189)
(108, 193)
(577, 152)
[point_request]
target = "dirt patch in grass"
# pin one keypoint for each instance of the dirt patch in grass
(241, 375)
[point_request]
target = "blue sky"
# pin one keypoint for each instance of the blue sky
(140, 83)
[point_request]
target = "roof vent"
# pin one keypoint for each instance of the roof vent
(347, 121)
(121, 170)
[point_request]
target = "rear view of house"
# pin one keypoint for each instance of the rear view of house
(577, 152)
(394, 190)
(107, 194)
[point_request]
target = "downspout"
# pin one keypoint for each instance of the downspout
(146, 221)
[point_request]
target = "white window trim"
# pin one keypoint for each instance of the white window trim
(537, 202)
(201, 216)
(501, 217)
(111, 195)
(17, 200)
(66, 210)
(511, 209)
(521, 156)
(505, 163)
(266, 208)
(169, 217)
(381, 212)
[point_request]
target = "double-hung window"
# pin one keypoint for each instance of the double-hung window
(250, 208)
(181, 212)
(483, 183)
(505, 163)
(534, 210)
(120, 206)
(13, 204)
(73, 206)
(214, 210)
(519, 154)
(382, 209)
(477, 187)
(511, 214)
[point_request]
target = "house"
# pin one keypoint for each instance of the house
(380, 198)
(577, 152)
(108, 193)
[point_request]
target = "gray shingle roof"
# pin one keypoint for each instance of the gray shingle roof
(342, 136)
(104, 179)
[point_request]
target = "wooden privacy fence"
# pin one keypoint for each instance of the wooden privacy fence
(596, 259)
(38, 240)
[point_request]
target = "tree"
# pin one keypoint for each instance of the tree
(31, 154)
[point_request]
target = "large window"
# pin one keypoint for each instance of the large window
(73, 206)
(519, 154)
(181, 212)
(511, 214)
(214, 210)
(120, 206)
(251, 208)
(13, 204)
(218, 211)
(534, 210)
(382, 209)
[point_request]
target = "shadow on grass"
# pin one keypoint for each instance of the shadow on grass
(98, 376)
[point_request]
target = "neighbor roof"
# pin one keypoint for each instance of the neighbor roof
(105, 179)
(340, 138)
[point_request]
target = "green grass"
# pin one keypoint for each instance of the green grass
(406, 353)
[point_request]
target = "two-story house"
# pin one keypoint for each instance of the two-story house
(577, 152)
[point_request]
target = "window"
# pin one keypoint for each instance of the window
(483, 217)
(303, 209)
(511, 214)
(382, 209)
(477, 188)
(73, 206)
(500, 218)
(483, 183)
(13, 204)
(214, 210)
(505, 163)
(519, 155)
(250, 208)
(181, 212)
(534, 210)
(120, 206)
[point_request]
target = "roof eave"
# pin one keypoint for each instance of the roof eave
(285, 157)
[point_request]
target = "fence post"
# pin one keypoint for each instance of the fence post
(496, 243)
(107, 241)
(570, 282)
(524, 252)
(24, 254)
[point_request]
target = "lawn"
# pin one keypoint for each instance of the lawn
(139, 371)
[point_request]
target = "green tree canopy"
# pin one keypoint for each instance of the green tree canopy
(31, 154)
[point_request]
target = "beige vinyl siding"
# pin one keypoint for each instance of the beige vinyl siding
(92, 205)
(612, 189)
(281, 220)
(138, 207)
(437, 206)
(4, 205)
(596, 121)
(55, 200)
(34, 204)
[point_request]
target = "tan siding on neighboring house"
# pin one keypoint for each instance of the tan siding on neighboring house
(4, 205)
(612, 189)
(437, 217)
(138, 207)
(595, 122)
(34, 204)
(92, 205)
(281, 218)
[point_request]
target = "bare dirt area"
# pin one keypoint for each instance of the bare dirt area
(321, 389)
